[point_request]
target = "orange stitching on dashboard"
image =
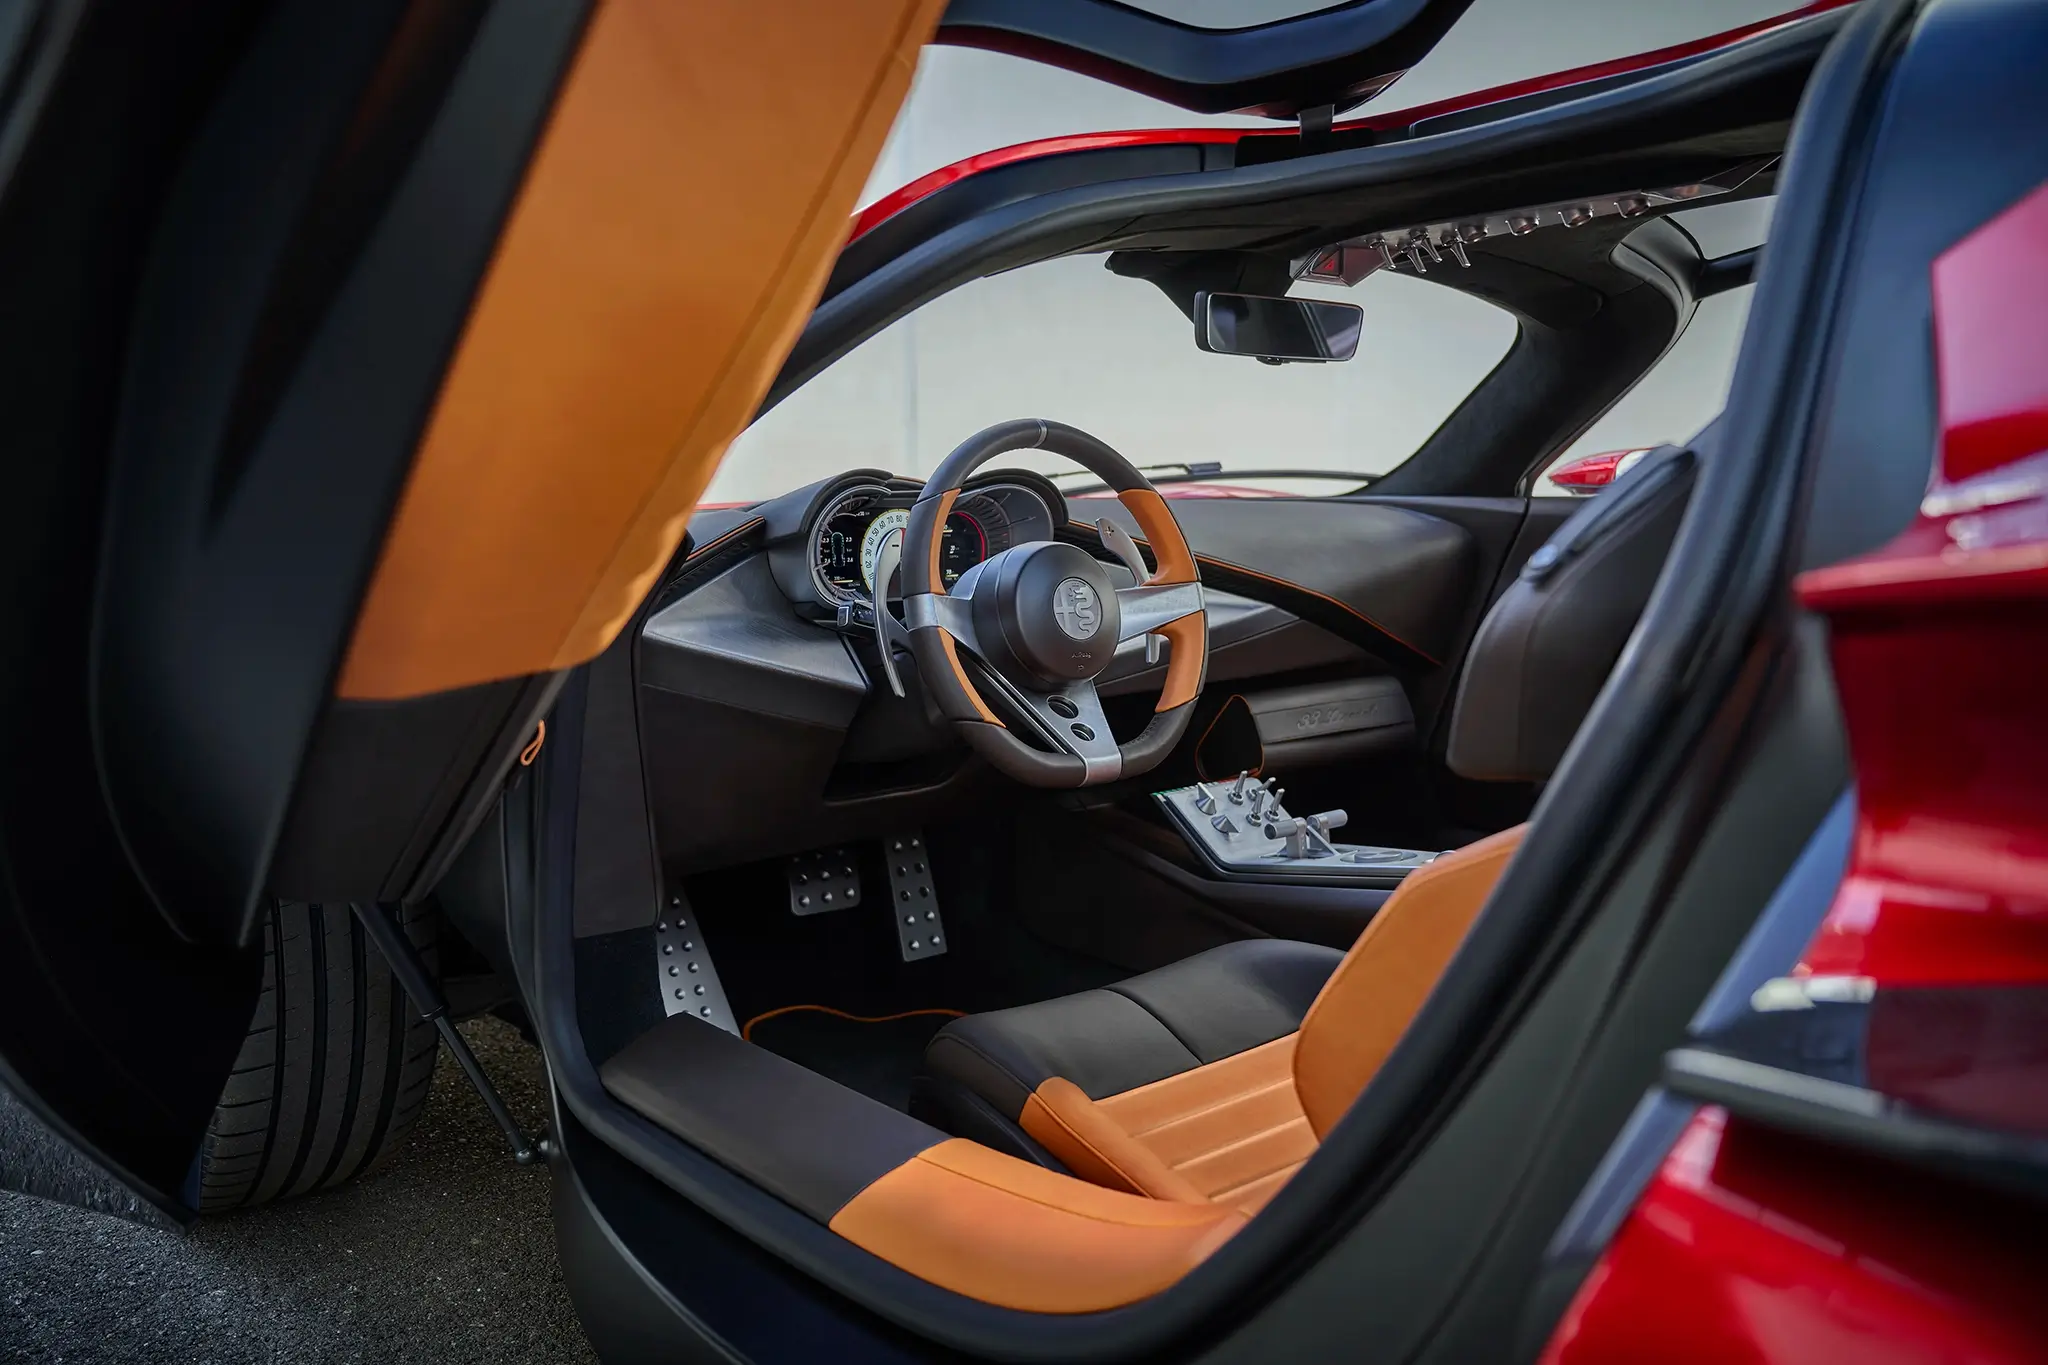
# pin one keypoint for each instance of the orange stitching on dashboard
(738, 530)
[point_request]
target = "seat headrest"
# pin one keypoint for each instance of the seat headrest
(1545, 649)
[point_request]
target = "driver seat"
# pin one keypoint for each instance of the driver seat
(1213, 1079)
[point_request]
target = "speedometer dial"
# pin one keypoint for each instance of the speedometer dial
(847, 538)
(895, 519)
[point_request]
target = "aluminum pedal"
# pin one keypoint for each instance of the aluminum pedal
(913, 899)
(821, 880)
(689, 983)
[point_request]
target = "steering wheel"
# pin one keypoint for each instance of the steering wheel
(1043, 620)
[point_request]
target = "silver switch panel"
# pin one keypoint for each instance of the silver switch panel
(1250, 831)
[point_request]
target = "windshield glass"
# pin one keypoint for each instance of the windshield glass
(1069, 340)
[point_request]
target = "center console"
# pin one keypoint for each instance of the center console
(1243, 831)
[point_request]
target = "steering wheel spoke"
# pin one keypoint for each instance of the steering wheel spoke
(1147, 607)
(1068, 717)
(954, 615)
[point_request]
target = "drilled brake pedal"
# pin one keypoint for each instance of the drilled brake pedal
(821, 880)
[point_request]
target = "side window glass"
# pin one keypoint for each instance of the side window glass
(1687, 387)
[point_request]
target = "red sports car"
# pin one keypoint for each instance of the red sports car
(977, 916)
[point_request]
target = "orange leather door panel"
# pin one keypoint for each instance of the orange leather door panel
(672, 235)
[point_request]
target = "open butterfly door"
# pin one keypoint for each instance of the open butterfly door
(362, 365)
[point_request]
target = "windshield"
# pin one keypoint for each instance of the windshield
(1068, 339)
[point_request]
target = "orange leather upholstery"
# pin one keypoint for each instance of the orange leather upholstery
(1001, 1230)
(1230, 1133)
(673, 233)
(1381, 983)
(1176, 564)
(1234, 1128)
(1096, 1147)
(1164, 1172)
(1167, 1171)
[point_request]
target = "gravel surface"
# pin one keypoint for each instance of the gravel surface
(446, 1254)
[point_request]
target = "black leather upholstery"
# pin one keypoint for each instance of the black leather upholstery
(808, 1140)
(979, 1071)
(1219, 1003)
(1546, 647)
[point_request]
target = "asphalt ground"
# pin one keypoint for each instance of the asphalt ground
(445, 1254)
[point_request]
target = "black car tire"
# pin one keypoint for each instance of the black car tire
(335, 1067)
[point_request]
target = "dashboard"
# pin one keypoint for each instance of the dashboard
(847, 535)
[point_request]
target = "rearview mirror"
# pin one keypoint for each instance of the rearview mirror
(1276, 329)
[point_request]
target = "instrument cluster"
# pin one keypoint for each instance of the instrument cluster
(847, 538)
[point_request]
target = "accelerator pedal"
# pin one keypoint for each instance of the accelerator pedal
(913, 898)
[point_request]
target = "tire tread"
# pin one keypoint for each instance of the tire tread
(335, 1067)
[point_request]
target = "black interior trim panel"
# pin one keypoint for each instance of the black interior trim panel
(1335, 56)
(790, 1130)
(1390, 580)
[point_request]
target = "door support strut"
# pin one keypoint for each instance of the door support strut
(426, 997)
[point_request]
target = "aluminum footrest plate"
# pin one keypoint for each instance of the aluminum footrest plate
(689, 983)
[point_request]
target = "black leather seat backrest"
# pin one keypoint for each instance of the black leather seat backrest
(1546, 647)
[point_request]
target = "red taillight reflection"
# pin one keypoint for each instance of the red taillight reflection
(1595, 472)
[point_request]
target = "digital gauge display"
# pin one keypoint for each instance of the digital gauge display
(880, 528)
(846, 544)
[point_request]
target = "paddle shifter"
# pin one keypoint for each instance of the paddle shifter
(888, 630)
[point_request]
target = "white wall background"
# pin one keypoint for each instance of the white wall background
(1064, 339)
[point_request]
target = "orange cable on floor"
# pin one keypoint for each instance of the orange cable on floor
(747, 1029)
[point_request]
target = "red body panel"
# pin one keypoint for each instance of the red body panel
(1941, 653)
(1199, 490)
(893, 203)
(929, 184)
(1994, 387)
(1756, 1246)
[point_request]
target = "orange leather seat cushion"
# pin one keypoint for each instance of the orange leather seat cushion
(1230, 1133)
